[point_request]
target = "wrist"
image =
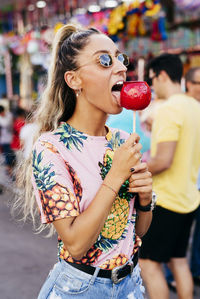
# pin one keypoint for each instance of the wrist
(113, 179)
(144, 202)
(110, 188)
(149, 206)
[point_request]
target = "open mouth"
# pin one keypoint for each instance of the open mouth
(117, 86)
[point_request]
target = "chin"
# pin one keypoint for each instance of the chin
(116, 110)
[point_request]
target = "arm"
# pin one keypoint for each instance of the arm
(163, 158)
(143, 222)
(141, 183)
(72, 230)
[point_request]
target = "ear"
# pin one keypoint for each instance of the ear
(188, 85)
(73, 80)
(164, 75)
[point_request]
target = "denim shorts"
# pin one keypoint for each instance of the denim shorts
(64, 281)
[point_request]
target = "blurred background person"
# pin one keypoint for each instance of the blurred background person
(6, 135)
(192, 83)
(175, 158)
(19, 122)
(26, 136)
(195, 253)
(192, 87)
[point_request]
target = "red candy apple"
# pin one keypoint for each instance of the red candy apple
(135, 95)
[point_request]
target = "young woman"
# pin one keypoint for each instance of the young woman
(86, 176)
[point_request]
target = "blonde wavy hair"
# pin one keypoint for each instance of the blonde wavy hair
(57, 104)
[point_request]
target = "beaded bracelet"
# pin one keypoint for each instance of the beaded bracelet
(103, 184)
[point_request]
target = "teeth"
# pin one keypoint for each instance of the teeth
(119, 83)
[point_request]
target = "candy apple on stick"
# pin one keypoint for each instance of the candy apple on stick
(135, 95)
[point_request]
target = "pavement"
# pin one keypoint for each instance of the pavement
(26, 257)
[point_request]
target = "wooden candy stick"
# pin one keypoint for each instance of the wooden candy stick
(134, 121)
(140, 67)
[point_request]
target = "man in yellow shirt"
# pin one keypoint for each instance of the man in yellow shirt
(174, 163)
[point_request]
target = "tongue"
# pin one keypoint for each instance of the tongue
(116, 94)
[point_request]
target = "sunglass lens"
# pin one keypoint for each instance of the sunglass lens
(123, 58)
(105, 60)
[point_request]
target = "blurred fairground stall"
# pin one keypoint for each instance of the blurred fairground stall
(141, 28)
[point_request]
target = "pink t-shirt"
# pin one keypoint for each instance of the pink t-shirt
(68, 169)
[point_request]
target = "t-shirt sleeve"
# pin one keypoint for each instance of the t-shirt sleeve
(167, 123)
(53, 184)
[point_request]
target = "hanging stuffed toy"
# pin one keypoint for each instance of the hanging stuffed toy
(132, 24)
(161, 27)
(155, 35)
(115, 22)
(154, 11)
(141, 27)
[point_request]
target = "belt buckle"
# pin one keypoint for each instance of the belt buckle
(114, 273)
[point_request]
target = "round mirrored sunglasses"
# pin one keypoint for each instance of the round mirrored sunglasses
(106, 59)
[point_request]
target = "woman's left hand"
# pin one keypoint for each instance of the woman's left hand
(141, 182)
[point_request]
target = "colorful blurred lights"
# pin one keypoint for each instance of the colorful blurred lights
(110, 3)
(41, 4)
(94, 8)
(31, 7)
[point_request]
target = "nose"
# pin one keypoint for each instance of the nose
(119, 66)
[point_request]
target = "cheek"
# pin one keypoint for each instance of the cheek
(96, 83)
(159, 91)
(156, 90)
(197, 93)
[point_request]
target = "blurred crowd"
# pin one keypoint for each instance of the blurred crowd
(16, 138)
(165, 113)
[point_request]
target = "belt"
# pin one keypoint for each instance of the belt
(116, 274)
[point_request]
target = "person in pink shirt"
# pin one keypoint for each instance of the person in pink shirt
(89, 182)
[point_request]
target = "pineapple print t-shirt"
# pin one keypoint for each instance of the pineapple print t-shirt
(68, 169)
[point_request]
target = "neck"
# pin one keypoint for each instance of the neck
(190, 94)
(89, 121)
(172, 89)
